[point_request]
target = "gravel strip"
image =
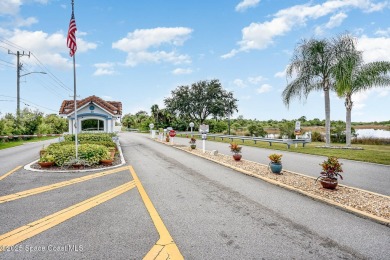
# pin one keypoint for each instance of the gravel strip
(364, 201)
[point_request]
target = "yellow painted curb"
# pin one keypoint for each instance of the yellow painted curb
(9, 173)
(377, 219)
(57, 185)
(22, 233)
(165, 247)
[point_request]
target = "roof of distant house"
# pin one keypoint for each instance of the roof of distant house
(113, 107)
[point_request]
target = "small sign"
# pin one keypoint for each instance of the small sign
(297, 126)
(204, 136)
(204, 129)
(172, 133)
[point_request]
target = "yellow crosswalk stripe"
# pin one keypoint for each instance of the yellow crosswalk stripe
(57, 185)
(22, 233)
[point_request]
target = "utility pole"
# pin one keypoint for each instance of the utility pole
(18, 54)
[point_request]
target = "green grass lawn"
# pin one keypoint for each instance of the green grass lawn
(20, 142)
(371, 153)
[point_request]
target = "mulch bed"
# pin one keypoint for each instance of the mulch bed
(55, 168)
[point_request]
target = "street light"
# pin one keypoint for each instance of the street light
(18, 88)
(191, 125)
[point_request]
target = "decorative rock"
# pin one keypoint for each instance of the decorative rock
(214, 152)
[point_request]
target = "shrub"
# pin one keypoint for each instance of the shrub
(92, 153)
(316, 137)
(275, 158)
(90, 137)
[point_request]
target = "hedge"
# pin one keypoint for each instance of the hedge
(87, 137)
(92, 153)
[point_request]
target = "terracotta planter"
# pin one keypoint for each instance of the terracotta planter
(275, 167)
(42, 153)
(237, 156)
(112, 151)
(328, 183)
(45, 164)
(106, 161)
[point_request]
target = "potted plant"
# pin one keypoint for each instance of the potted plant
(112, 152)
(276, 163)
(42, 151)
(46, 160)
(236, 150)
(107, 160)
(331, 169)
(192, 143)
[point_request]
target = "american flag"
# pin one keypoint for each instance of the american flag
(71, 39)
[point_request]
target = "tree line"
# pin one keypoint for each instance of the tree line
(32, 122)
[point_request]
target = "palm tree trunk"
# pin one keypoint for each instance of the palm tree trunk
(348, 107)
(327, 117)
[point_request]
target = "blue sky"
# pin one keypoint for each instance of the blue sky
(136, 52)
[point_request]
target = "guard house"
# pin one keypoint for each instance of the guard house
(93, 114)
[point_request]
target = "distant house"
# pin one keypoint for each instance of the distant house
(93, 114)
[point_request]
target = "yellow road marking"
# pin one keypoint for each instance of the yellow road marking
(57, 185)
(165, 247)
(10, 172)
(22, 233)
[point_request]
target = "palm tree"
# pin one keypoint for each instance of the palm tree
(353, 76)
(312, 63)
(155, 110)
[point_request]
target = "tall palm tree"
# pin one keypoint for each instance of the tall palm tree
(353, 76)
(312, 62)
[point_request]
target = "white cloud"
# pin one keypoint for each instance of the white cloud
(336, 20)
(280, 74)
(239, 83)
(104, 69)
(385, 32)
(180, 71)
(249, 81)
(359, 98)
(107, 98)
(259, 36)
(245, 4)
(19, 22)
(138, 45)
(264, 88)
(374, 49)
(382, 92)
(10, 7)
(256, 80)
(49, 48)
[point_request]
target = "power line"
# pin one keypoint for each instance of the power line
(29, 103)
(6, 62)
(52, 75)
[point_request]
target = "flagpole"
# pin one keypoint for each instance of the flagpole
(75, 97)
(75, 106)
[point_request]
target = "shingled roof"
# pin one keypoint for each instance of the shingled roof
(113, 107)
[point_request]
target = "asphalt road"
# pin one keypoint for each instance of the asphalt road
(214, 212)
(367, 176)
(21, 155)
(211, 212)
